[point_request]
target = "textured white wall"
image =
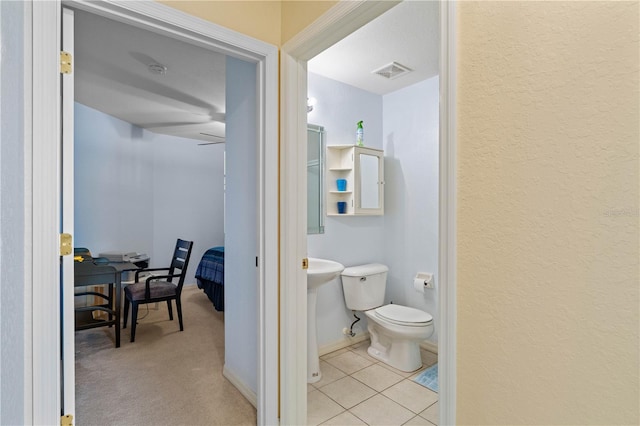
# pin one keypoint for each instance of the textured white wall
(548, 107)
(411, 193)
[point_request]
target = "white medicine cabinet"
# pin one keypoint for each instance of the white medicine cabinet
(363, 170)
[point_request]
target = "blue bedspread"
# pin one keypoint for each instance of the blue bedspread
(211, 267)
(210, 276)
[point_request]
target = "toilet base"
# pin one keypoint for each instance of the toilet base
(401, 354)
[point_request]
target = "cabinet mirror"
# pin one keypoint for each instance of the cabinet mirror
(369, 181)
(315, 179)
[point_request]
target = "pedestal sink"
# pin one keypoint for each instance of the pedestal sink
(320, 271)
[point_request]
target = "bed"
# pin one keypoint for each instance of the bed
(210, 276)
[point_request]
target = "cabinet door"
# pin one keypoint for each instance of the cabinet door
(370, 177)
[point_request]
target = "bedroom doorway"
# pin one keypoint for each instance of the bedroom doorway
(139, 186)
(263, 57)
(145, 178)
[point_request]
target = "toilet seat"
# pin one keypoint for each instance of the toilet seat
(403, 315)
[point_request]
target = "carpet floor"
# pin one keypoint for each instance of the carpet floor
(166, 377)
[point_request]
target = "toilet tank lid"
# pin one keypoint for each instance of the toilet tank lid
(363, 270)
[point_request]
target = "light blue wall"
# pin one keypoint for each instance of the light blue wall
(140, 191)
(405, 125)
(12, 207)
(113, 184)
(411, 192)
(347, 239)
(188, 197)
(241, 210)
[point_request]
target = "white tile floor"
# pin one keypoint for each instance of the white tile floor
(357, 389)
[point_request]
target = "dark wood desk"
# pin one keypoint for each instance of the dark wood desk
(88, 273)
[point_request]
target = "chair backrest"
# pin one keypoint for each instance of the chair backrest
(180, 260)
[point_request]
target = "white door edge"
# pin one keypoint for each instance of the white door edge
(67, 211)
(28, 369)
(42, 332)
(293, 289)
(335, 24)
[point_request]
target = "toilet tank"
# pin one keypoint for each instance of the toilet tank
(364, 286)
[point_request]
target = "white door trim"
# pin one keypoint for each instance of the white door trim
(339, 21)
(42, 331)
(447, 216)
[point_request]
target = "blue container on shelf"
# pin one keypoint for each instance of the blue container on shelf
(342, 184)
(342, 207)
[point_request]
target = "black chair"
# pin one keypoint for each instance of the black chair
(159, 288)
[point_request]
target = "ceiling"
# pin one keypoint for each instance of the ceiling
(112, 75)
(187, 97)
(407, 34)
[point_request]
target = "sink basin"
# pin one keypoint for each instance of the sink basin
(322, 271)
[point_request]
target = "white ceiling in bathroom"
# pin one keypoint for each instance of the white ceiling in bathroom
(408, 34)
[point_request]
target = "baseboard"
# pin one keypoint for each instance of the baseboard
(429, 346)
(244, 390)
(345, 342)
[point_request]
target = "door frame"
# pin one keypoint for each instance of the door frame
(344, 18)
(42, 216)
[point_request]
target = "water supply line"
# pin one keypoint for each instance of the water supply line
(349, 331)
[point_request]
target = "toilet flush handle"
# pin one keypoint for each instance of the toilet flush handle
(363, 278)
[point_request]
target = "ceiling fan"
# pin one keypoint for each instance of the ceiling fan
(193, 116)
(222, 139)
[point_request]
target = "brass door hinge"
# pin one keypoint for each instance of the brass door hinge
(66, 244)
(65, 63)
(66, 420)
(305, 263)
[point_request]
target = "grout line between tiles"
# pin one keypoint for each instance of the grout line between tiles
(373, 362)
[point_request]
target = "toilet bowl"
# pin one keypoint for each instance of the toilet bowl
(396, 332)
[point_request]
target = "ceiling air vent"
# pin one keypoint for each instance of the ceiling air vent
(392, 70)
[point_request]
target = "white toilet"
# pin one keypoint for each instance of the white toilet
(395, 330)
